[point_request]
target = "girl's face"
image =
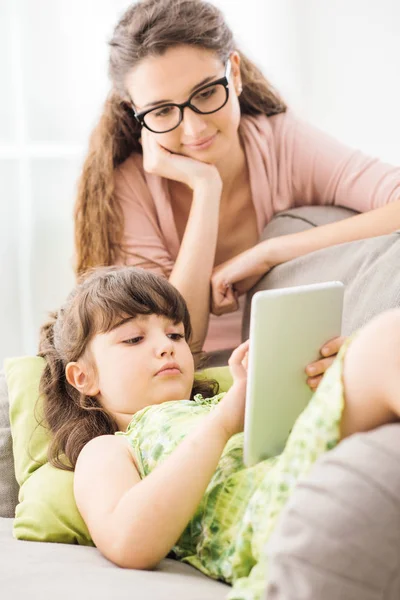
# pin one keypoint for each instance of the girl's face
(142, 361)
(173, 77)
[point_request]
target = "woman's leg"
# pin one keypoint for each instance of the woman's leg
(372, 375)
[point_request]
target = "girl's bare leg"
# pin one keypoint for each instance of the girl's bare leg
(372, 375)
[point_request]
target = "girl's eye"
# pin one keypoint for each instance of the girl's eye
(133, 341)
(176, 336)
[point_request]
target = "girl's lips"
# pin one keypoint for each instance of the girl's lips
(203, 144)
(169, 368)
(166, 372)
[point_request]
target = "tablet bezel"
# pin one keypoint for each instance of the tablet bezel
(288, 326)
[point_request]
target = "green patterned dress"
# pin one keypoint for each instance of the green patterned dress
(226, 537)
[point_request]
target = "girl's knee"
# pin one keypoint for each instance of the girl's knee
(378, 342)
(371, 375)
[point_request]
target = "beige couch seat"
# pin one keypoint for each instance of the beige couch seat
(43, 571)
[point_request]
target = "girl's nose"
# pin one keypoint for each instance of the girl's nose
(165, 347)
(167, 352)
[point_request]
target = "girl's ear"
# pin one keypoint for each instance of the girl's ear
(81, 378)
(237, 79)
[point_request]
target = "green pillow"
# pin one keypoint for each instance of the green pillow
(221, 374)
(46, 510)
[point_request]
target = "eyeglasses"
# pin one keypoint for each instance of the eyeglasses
(206, 100)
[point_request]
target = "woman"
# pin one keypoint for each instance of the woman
(193, 155)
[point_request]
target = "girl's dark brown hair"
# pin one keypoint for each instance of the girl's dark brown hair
(95, 306)
(147, 28)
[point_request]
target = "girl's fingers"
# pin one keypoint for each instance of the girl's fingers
(313, 382)
(238, 369)
(239, 353)
(245, 361)
(329, 351)
(319, 367)
(333, 346)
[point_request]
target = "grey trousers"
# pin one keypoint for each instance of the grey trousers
(339, 536)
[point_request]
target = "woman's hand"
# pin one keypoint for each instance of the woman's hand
(235, 277)
(316, 369)
(159, 161)
(230, 410)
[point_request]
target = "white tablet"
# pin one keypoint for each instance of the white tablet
(288, 326)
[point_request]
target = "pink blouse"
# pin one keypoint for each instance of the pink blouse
(290, 162)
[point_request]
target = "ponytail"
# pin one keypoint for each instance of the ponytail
(73, 418)
(258, 95)
(99, 220)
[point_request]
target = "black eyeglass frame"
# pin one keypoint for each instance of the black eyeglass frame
(224, 81)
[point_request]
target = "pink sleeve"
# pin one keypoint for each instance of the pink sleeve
(325, 171)
(142, 243)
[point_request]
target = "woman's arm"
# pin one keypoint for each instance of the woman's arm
(315, 168)
(192, 271)
(380, 221)
(322, 170)
(244, 270)
(144, 243)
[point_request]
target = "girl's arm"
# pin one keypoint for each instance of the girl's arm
(135, 522)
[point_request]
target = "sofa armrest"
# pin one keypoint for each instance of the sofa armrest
(8, 485)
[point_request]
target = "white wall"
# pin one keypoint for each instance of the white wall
(335, 61)
(352, 85)
(53, 64)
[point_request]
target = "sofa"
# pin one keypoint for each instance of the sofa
(339, 535)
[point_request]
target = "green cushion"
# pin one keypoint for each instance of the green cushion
(46, 510)
(221, 374)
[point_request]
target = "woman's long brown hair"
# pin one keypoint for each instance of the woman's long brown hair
(148, 27)
(94, 306)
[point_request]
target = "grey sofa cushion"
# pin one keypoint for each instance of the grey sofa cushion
(8, 483)
(368, 268)
(338, 536)
(48, 571)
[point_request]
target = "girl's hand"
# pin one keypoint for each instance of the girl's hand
(238, 362)
(316, 369)
(230, 410)
(159, 161)
(235, 277)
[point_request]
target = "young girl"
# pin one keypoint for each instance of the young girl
(158, 455)
(193, 155)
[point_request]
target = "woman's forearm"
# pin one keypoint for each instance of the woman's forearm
(274, 251)
(193, 267)
(373, 223)
(151, 516)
